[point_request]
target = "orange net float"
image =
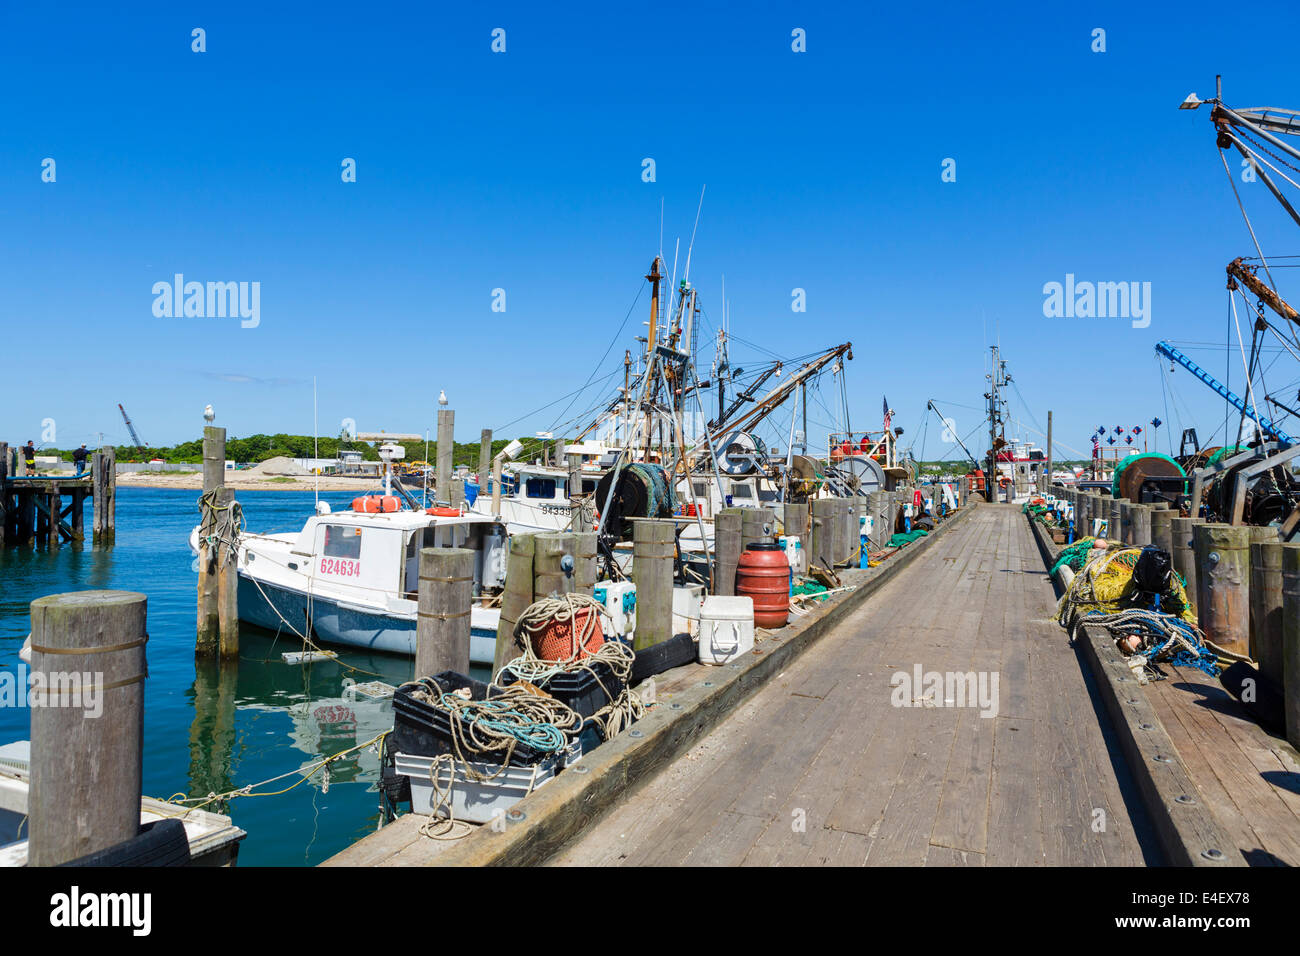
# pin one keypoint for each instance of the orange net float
(563, 629)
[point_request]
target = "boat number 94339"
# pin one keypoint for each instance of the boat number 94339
(343, 567)
(556, 510)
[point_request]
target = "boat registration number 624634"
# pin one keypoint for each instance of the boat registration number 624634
(344, 567)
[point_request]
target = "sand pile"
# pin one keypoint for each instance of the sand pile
(274, 467)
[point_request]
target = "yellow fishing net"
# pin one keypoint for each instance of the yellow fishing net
(1105, 585)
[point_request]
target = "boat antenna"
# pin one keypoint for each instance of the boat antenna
(424, 495)
(315, 428)
(686, 276)
(661, 227)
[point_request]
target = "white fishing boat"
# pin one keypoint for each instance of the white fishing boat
(352, 577)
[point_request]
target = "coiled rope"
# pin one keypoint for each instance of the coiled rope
(623, 708)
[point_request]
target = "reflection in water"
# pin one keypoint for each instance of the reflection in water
(212, 732)
(325, 714)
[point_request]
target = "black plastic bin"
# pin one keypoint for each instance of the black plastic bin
(579, 690)
(425, 731)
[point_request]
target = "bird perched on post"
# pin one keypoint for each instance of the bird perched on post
(209, 415)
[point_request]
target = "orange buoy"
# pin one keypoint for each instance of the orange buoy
(558, 639)
(443, 512)
(763, 574)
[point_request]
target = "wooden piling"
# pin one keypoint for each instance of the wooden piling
(207, 638)
(1266, 608)
(876, 507)
(86, 760)
(484, 459)
(443, 627)
(1114, 523)
(516, 597)
(108, 501)
(727, 533)
(446, 447)
(1140, 525)
(1291, 639)
(1223, 585)
(578, 518)
(585, 570)
(1184, 553)
(757, 526)
(1162, 529)
(549, 577)
(4, 491)
(654, 550)
(821, 537)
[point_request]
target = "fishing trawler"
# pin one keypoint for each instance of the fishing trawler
(352, 577)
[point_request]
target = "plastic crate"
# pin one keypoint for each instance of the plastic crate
(475, 801)
(584, 691)
(422, 730)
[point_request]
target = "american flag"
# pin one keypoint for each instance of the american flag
(888, 414)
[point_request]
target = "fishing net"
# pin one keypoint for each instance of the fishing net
(1106, 585)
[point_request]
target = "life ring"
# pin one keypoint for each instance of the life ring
(443, 512)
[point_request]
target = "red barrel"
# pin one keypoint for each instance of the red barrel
(764, 575)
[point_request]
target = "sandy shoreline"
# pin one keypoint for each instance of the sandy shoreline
(194, 482)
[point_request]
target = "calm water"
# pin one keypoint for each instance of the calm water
(211, 730)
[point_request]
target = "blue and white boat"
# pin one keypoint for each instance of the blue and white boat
(352, 577)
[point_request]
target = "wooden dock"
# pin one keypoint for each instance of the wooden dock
(50, 509)
(818, 767)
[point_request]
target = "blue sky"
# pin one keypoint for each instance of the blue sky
(522, 171)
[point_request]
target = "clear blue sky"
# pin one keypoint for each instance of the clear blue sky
(522, 171)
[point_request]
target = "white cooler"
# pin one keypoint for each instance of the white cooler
(726, 628)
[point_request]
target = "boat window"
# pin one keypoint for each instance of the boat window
(741, 491)
(701, 489)
(540, 488)
(589, 486)
(341, 542)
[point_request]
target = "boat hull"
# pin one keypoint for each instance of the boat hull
(334, 621)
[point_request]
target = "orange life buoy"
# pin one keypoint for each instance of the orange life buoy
(443, 512)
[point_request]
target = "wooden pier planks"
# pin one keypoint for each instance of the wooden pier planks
(1249, 778)
(883, 785)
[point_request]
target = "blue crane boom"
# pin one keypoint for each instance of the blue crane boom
(1265, 424)
(131, 428)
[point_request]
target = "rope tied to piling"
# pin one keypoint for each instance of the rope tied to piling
(226, 525)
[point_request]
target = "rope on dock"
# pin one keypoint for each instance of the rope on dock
(623, 708)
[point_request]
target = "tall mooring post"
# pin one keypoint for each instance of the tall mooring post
(1182, 530)
(1162, 529)
(442, 631)
(85, 773)
(4, 490)
(515, 599)
(587, 568)
(727, 531)
(217, 628)
(1291, 639)
(1223, 585)
(1140, 525)
(578, 518)
(822, 536)
(446, 448)
(1266, 608)
(654, 550)
(552, 575)
(484, 459)
(104, 495)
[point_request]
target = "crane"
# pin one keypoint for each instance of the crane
(131, 428)
(1265, 424)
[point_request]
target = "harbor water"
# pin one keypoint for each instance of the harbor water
(212, 729)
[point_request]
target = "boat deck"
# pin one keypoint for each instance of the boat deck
(818, 767)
